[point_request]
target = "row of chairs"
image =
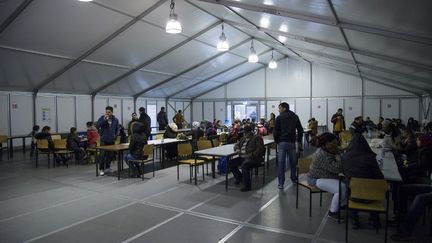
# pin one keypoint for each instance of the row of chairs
(367, 195)
(42, 147)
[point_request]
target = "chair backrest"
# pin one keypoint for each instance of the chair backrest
(345, 136)
(3, 139)
(159, 136)
(117, 141)
(184, 150)
(215, 142)
(223, 137)
(42, 144)
(204, 144)
(303, 165)
(202, 138)
(368, 189)
(56, 137)
(148, 150)
(59, 144)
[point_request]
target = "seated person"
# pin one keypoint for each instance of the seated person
(408, 219)
(407, 146)
(369, 124)
(33, 142)
(262, 130)
(418, 169)
(313, 126)
(325, 168)
(357, 126)
(136, 145)
(73, 144)
(235, 130)
(360, 161)
(92, 135)
(46, 134)
(251, 154)
(171, 148)
(210, 131)
(197, 133)
(380, 123)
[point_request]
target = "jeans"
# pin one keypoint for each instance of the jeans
(134, 166)
(286, 149)
(332, 186)
(423, 198)
(105, 157)
(245, 174)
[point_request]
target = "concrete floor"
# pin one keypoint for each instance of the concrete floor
(73, 205)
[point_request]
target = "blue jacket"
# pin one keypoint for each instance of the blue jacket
(108, 133)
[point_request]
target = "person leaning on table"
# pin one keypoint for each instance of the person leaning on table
(251, 153)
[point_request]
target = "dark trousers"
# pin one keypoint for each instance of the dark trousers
(246, 166)
(106, 157)
(422, 198)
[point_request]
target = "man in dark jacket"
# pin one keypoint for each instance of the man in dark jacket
(145, 120)
(46, 134)
(73, 144)
(251, 154)
(108, 126)
(137, 142)
(162, 119)
(285, 136)
(357, 125)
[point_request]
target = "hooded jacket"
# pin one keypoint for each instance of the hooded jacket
(138, 140)
(108, 132)
(285, 128)
(359, 160)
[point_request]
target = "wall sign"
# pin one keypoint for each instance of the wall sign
(46, 114)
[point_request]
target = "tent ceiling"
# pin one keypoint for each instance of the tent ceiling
(121, 48)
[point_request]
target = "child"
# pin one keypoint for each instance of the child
(73, 144)
(92, 135)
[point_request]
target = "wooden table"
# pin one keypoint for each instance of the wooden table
(118, 148)
(161, 143)
(389, 167)
(10, 143)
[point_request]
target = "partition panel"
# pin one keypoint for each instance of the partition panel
(372, 109)
(410, 108)
(22, 116)
(208, 111)
(66, 113)
(352, 110)
(319, 111)
(4, 118)
(83, 112)
(99, 107)
(197, 111)
(127, 108)
(390, 108)
(303, 111)
(220, 112)
(46, 112)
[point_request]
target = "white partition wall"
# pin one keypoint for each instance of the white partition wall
(161, 103)
(140, 103)
(99, 107)
(21, 115)
(372, 109)
(46, 114)
(409, 109)
(66, 113)
(220, 111)
(208, 111)
(4, 110)
(83, 112)
(352, 110)
(187, 112)
(272, 107)
(303, 111)
(127, 108)
(390, 108)
(197, 111)
(171, 110)
(319, 110)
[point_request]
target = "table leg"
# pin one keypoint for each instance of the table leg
(196, 170)
(268, 156)
(118, 165)
(11, 147)
(214, 167)
(97, 162)
(162, 157)
(226, 173)
(23, 144)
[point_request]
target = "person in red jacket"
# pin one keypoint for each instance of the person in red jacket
(92, 135)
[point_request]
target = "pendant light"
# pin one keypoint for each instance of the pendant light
(173, 26)
(272, 64)
(223, 44)
(85, 0)
(253, 58)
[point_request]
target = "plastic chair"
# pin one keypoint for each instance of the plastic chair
(56, 137)
(303, 165)
(60, 149)
(345, 138)
(185, 155)
(42, 147)
(4, 140)
(205, 144)
(367, 195)
(148, 156)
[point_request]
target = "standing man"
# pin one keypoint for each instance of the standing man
(285, 136)
(108, 126)
(178, 119)
(134, 119)
(162, 119)
(338, 121)
(146, 120)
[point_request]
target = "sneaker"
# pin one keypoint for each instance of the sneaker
(101, 173)
(281, 187)
(333, 215)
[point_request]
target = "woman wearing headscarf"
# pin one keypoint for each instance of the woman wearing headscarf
(325, 168)
(360, 161)
(171, 148)
(197, 133)
(419, 168)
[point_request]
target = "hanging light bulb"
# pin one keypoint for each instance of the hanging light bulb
(272, 64)
(85, 0)
(173, 26)
(253, 58)
(223, 44)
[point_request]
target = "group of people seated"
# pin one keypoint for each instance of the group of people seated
(412, 151)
